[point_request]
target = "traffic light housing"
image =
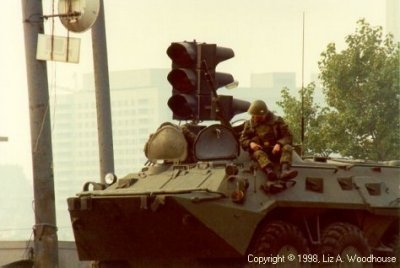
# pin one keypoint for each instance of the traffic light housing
(184, 78)
(211, 56)
(195, 81)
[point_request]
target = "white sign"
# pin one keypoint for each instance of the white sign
(58, 48)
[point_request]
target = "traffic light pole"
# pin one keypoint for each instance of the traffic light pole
(198, 75)
(214, 98)
(45, 229)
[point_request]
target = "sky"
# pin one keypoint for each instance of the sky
(266, 36)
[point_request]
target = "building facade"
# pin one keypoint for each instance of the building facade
(265, 86)
(393, 18)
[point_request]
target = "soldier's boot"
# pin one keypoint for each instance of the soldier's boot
(273, 184)
(287, 173)
(271, 175)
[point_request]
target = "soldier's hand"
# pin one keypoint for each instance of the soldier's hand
(276, 149)
(254, 146)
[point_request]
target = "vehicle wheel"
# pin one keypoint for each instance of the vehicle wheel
(278, 238)
(344, 239)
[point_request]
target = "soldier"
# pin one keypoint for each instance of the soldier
(267, 138)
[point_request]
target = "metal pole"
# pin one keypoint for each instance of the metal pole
(103, 106)
(45, 229)
(302, 94)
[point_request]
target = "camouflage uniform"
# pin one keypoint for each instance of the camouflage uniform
(271, 131)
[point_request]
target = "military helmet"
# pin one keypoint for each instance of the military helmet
(258, 107)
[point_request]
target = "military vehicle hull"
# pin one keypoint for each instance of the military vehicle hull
(190, 213)
(170, 230)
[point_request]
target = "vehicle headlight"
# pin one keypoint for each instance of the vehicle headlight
(110, 178)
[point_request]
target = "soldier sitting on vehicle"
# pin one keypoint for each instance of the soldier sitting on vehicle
(268, 139)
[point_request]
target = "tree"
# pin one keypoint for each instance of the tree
(362, 90)
(362, 85)
(317, 133)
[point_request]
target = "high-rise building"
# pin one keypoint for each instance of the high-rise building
(268, 86)
(274, 81)
(17, 216)
(393, 18)
(319, 96)
(265, 86)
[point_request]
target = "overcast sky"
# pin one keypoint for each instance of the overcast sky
(266, 36)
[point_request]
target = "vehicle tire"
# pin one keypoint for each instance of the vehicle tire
(343, 239)
(278, 238)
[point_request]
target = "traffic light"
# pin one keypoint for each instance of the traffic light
(195, 82)
(223, 108)
(184, 78)
(211, 56)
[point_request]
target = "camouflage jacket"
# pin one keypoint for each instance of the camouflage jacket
(267, 133)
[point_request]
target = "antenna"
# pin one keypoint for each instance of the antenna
(78, 15)
(302, 93)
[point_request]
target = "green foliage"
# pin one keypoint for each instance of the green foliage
(362, 90)
(316, 131)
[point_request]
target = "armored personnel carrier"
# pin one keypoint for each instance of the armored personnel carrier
(198, 202)
(214, 208)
